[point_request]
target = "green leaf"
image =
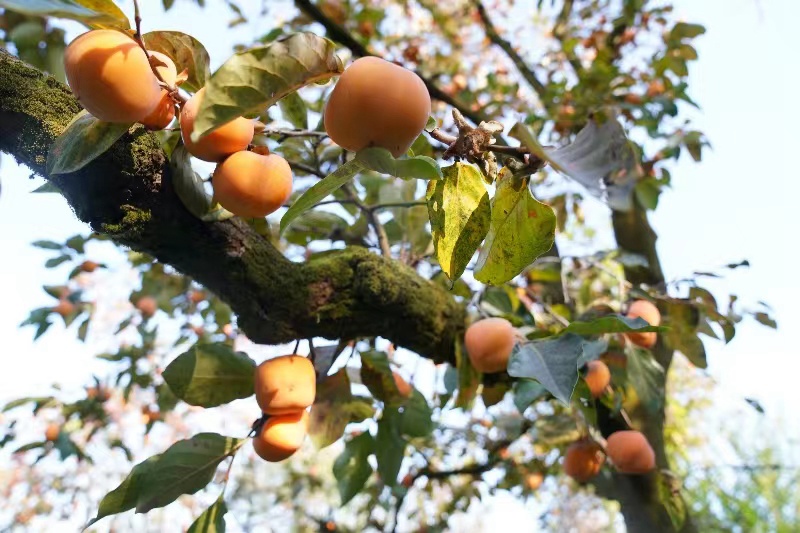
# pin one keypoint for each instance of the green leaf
(382, 161)
(417, 416)
(55, 261)
(253, 80)
(351, 468)
(683, 319)
(458, 207)
(189, 188)
(186, 467)
(683, 30)
(320, 190)
(209, 375)
(334, 408)
(646, 377)
(47, 187)
(526, 391)
(39, 400)
(765, 320)
(84, 140)
(390, 446)
(468, 378)
(611, 324)
(187, 53)
(521, 230)
(377, 375)
(47, 245)
(553, 362)
(93, 13)
(294, 110)
(212, 520)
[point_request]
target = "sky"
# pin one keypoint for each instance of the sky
(739, 203)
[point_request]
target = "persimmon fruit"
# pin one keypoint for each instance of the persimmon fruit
(404, 387)
(583, 460)
(630, 452)
(52, 431)
(147, 306)
(534, 480)
(489, 343)
(228, 139)
(281, 436)
(160, 117)
(251, 185)
(597, 377)
(285, 384)
(110, 76)
(650, 314)
(89, 266)
(64, 308)
(377, 103)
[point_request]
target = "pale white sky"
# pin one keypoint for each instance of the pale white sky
(738, 203)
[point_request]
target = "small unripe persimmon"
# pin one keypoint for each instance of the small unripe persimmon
(147, 306)
(228, 139)
(160, 117)
(583, 460)
(650, 314)
(52, 432)
(489, 343)
(377, 103)
(281, 436)
(597, 377)
(285, 384)
(64, 308)
(534, 480)
(109, 74)
(251, 185)
(630, 452)
(403, 386)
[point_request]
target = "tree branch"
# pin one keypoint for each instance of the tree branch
(342, 36)
(127, 193)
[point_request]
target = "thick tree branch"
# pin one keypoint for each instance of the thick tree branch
(342, 36)
(127, 193)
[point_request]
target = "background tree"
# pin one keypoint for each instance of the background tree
(627, 55)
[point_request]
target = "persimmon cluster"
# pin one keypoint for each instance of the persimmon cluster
(285, 388)
(112, 77)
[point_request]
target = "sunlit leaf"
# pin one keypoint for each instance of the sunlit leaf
(212, 520)
(381, 160)
(521, 230)
(209, 375)
(253, 80)
(185, 51)
(352, 469)
(93, 13)
(611, 324)
(458, 207)
(335, 407)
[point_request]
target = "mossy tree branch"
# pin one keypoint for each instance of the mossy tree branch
(127, 193)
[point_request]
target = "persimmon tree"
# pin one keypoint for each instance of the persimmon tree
(463, 159)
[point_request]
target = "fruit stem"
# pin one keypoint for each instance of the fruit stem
(173, 91)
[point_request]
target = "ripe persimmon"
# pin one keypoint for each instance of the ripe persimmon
(160, 117)
(650, 314)
(64, 307)
(147, 306)
(110, 76)
(52, 432)
(377, 103)
(228, 139)
(285, 384)
(281, 436)
(597, 377)
(534, 480)
(583, 460)
(489, 343)
(89, 266)
(403, 386)
(252, 185)
(630, 452)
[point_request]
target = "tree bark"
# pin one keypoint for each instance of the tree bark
(127, 193)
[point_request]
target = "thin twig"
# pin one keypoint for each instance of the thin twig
(285, 133)
(173, 91)
(494, 37)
